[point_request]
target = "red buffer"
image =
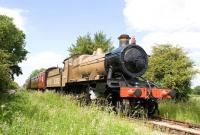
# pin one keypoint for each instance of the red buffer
(143, 92)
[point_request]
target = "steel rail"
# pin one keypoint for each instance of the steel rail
(174, 126)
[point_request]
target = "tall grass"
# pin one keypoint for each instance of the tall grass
(36, 113)
(183, 111)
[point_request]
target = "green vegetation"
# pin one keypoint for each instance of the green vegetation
(87, 45)
(170, 67)
(51, 113)
(183, 111)
(36, 72)
(4, 70)
(12, 51)
(196, 90)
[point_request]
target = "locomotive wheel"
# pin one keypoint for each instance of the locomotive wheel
(119, 108)
(109, 103)
(151, 107)
(109, 100)
(139, 111)
(84, 99)
(123, 107)
(127, 107)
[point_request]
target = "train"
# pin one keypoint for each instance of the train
(115, 76)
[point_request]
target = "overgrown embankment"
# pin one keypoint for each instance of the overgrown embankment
(50, 113)
(183, 111)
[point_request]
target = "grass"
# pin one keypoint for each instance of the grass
(183, 111)
(37, 113)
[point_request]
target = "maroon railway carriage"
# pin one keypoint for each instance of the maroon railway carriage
(40, 81)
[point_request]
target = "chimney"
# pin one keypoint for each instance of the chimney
(123, 40)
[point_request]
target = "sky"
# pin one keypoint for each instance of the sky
(52, 26)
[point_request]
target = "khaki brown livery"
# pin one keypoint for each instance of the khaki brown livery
(115, 76)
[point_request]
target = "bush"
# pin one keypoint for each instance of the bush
(183, 111)
(196, 90)
(13, 85)
(171, 67)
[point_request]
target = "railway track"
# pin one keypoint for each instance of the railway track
(174, 127)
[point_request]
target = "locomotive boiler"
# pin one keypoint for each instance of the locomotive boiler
(116, 76)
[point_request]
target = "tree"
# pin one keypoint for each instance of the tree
(100, 41)
(5, 77)
(12, 42)
(196, 90)
(86, 44)
(171, 67)
(13, 85)
(36, 72)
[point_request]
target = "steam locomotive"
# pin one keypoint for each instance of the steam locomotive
(115, 76)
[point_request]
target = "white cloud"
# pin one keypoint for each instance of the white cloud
(37, 61)
(190, 41)
(16, 14)
(167, 21)
(162, 15)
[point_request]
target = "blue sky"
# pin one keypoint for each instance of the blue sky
(52, 26)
